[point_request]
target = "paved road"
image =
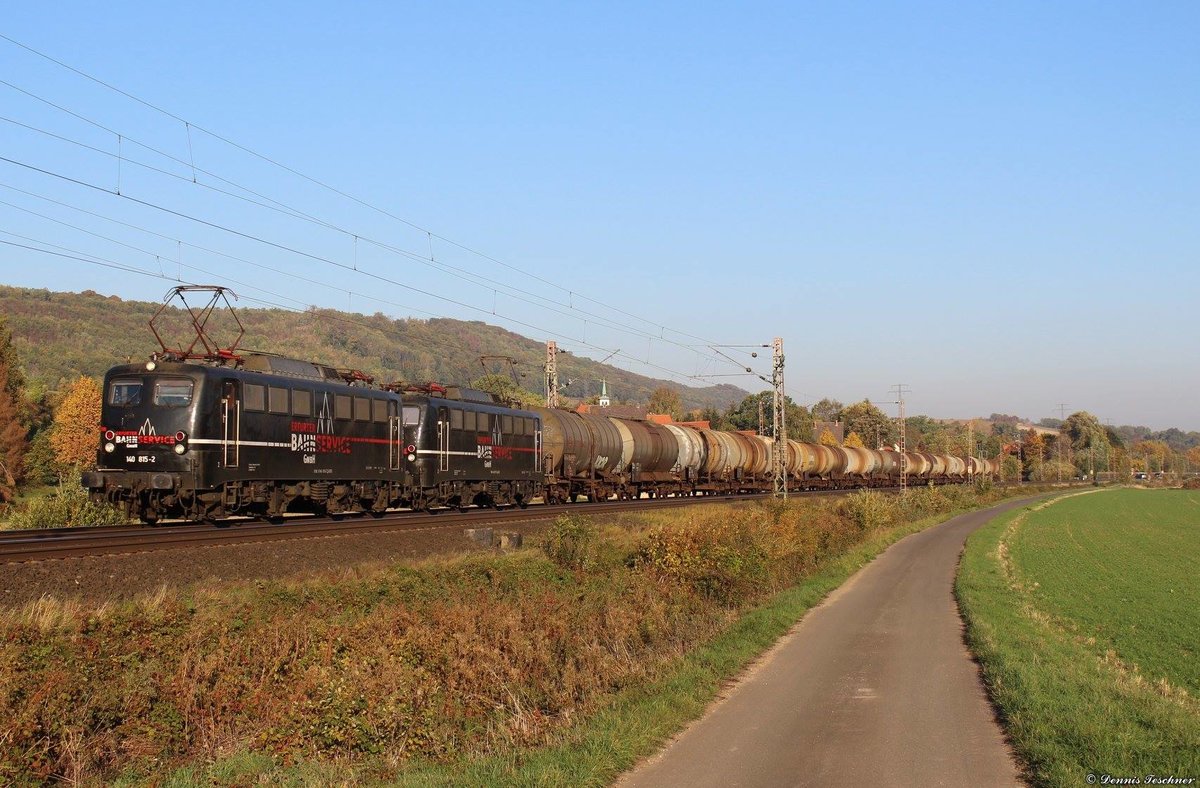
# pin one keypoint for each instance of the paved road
(874, 687)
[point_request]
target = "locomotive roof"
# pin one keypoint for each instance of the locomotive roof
(291, 367)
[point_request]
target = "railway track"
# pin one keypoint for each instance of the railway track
(57, 543)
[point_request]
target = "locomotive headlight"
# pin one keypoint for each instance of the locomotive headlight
(151, 366)
(180, 448)
(412, 457)
(110, 447)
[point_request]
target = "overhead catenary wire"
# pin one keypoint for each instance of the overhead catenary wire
(223, 254)
(669, 371)
(249, 236)
(189, 125)
(295, 213)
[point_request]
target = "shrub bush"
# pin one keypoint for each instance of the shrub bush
(67, 506)
(869, 509)
(571, 543)
(727, 560)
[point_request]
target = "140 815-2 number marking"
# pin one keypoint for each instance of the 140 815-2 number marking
(141, 458)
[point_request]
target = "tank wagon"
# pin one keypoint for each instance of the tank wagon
(261, 435)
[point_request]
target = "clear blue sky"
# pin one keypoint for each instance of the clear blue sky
(997, 204)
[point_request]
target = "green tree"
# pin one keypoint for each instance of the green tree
(15, 383)
(40, 464)
(872, 424)
(666, 400)
(1083, 430)
(76, 428)
(744, 416)
(827, 410)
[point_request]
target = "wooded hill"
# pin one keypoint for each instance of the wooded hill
(60, 336)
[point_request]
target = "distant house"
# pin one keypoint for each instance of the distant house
(836, 429)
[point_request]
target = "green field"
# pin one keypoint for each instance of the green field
(1086, 616)
(1122, 567)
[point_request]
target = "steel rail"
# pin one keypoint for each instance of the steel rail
(55, 543)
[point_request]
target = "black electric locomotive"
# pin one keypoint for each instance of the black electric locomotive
(262, 435)
(469, 449)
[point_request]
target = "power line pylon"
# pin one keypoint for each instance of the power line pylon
(900, 389)
(780, 421)
(1062, 417)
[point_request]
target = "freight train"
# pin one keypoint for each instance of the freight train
(260, 435)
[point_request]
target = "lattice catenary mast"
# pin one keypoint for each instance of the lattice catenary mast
(551, 374)
(780, 421)
(900, 389)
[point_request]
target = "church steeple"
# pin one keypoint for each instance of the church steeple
(604, 400)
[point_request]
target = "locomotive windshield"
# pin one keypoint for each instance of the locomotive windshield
(173, 393)
(125, 393)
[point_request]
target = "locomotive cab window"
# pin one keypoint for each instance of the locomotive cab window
(173, 393)
(301, 403)
(456, 419)
(362, 409)
(278, 399)
(411, 416)
(254, 396)
(125, 393)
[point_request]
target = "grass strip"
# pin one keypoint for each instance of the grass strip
(1070, 705)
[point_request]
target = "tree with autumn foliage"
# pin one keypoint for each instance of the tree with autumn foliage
(1155, 455)
(666, 400)
(12, 441)
(853, 441)
(827, 438)
(13, 432)
(76, 427)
